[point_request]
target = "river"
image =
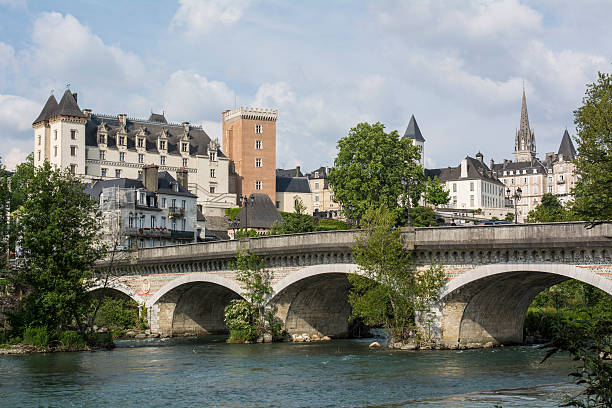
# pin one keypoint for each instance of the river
(342, 373)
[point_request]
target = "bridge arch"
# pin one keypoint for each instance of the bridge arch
(314, 300)
(115, 286)
(489, 303)
(192, 304)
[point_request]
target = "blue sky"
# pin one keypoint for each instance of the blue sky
(458, 66)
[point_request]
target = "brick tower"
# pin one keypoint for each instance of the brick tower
(249, 140)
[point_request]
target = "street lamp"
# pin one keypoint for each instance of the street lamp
(405, 184)
(514, 197)
(245, 202)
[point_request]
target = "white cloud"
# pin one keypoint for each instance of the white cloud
(17, 113)
(198, 17)
(14, 157)
(189, 95)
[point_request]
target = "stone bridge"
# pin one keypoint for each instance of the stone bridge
(494, 272)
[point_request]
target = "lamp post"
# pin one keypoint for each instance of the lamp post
(514, 197)
(245, 202)
(405, 184)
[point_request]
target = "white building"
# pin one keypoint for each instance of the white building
(104, 147)
(154, 211)
(414, 134)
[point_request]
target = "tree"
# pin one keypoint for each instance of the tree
(294, 223)
(4, 225)
(389, 291)
(549, 210)
(435, 193)
(423, 217)
(369, 169)
(57, 229)
(509, 217)
(593, 190)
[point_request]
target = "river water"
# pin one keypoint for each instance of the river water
(342, 373)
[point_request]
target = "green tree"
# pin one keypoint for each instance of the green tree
(4, 225)
(435, 193)
(248, 318)
(423, 217)
(389, 291)
(593, 190)
(549, 210)
(57, 228)
(509, 217)
(369, 169)
(294, 223)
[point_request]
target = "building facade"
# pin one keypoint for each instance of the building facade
(414, 134)
(150, 212)
(249, 140)
(103, 147)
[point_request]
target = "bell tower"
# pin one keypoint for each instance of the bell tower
(524, 141)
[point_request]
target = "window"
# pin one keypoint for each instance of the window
(173, 224)
(183, 223)
(258, 129)
(258, 162)
(102, 139)
(162, 160)
(184, 147)
(163, 222)
(185, 162)
(525, 180)
(117, 173)
(512, 181)
(257, 184)
(212, 156)
(174, 202)
(103, 172)
(212, 189)
(102, 154)
(278, 204)
(55, 151)
(550, 179)
(550, 189)
(561, 177)
(73, 134)
(258, 144)
(162, 144)
(86, 152)
(316, 198)
(121, 140)
(73, 169)
(140, 142)
(471, 186)
(122, 156)
(140, 158)
(471, 201)
(141, 199)
(316, 185)
(212, 173)
(331, 196)
(39, 139)
(454, 187)
(535, 171)
(86, 170)
(163, 202)
(73, 150)
(316, 174)
(55, 135)
(139, 174)
(153, 221)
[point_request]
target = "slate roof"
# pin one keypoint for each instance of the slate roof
(292, 185)
(289, 172)
(475, 171)
(198, 139)
(322, 173)
(68, 106)
(413, 131)
(156, 117)
(261, 212)
(48, 109)
(519, 166)
(567, 147)
(164, 180)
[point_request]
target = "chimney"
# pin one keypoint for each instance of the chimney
(74, 95)
(464, 168)
(505, 163)
(87, 112)
(480, 157)
(122, 117)
(149, 177)
(491, 163)
(297, 171)
(182, 178)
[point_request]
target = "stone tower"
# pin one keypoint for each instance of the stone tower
(414, 133)
(524, 141)
(59, 134)
(249, 140)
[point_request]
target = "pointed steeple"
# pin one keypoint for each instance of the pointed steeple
(68, 107)
(567, 147)
(524, 142)
(413, 131)
(49, 108)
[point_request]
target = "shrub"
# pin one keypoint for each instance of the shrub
(117, 313)
(232, 212)
(36, 336)
(326, 224)
(70, 340)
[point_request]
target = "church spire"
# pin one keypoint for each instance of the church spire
(524, 142)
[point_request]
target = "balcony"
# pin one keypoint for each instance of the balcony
(148, 232)
(176, 212)
(182, 234)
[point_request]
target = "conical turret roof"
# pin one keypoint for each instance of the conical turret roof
(49, 108)
(413, 131)
(68, 107)
(567, 147)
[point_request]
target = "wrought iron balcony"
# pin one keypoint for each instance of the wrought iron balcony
(176, 212)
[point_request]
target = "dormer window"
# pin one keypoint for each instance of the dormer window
(184, 147)
(162, 145)
(316, 174)
(121, 140)
(102, 138)
(141, 142)
(212, 156)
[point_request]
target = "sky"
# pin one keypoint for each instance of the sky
(458, 66)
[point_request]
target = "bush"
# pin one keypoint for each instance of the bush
(36, 336)
(326, 224)
(117, 313)
(71, 340)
